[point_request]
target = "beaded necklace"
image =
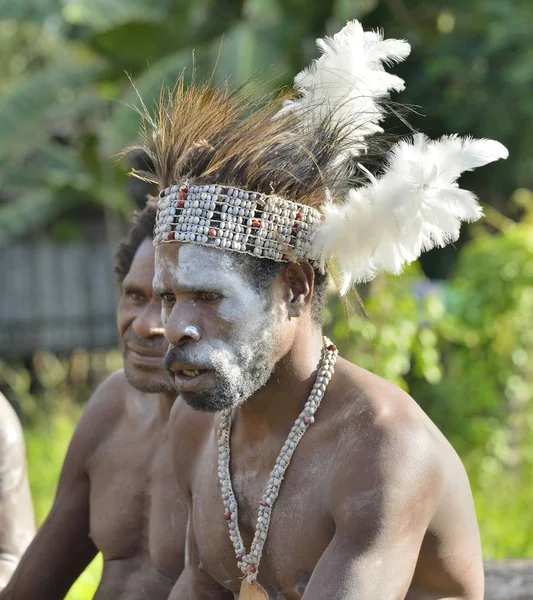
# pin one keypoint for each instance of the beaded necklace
(248, 563)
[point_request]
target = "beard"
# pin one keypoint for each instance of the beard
(239, 372)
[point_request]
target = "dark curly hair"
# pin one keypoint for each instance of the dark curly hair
(142, 227)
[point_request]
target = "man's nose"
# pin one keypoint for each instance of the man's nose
(180, 328)
(148, 322)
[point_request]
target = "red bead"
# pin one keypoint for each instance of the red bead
(227, 516)
(307, 420)
(172, 235)
(299, 216)
(332, 347)
(181, 203)
(183, 194)
(294, 230)
(213, 232)
(253, 570)
(262, 502)
(256, 223)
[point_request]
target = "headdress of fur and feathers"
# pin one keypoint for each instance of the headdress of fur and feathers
(310, 147)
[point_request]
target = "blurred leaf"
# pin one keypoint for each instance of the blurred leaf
(25, 111)
(29, 10)
(107, 14)
(26, 214)
(51, 164)
(124, 130)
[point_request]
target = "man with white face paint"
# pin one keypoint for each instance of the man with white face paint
(226, 369)
(306, 476)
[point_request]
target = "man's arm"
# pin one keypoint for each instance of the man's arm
(381, 515)
(17, 525)
(63, 548)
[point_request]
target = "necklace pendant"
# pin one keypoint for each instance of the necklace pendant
(252, 591)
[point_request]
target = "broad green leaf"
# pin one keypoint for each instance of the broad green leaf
(27, 112)
(245, 50)
(29, 10)
(107, 14)
(125, 125)
(27, 213)
(51, 165)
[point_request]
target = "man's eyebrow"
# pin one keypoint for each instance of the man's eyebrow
(188, 288)
(129, 286)
(191, 288)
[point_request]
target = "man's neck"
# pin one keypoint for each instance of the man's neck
(276, 406)
(166, 400)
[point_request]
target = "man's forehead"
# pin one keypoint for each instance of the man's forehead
(186, 262)
(142, 266)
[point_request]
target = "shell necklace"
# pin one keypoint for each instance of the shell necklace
(248, 563)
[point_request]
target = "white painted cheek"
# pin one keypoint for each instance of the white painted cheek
(248, 314)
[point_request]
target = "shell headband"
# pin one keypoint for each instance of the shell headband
(381, 224)
(232, 219)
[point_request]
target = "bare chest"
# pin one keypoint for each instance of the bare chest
(136, 509)
(300, 528)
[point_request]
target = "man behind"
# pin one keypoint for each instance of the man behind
(17, 526)
(306, 476)
(116, 494)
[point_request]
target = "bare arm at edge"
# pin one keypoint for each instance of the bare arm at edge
(17, 523)
(62, 549)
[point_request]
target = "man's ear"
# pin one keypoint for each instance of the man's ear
(300, 281)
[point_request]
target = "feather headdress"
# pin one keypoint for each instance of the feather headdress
(348, 83)
(279, 178)
(414, 206)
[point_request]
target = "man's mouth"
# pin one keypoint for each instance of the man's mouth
(147, 351)
(145, 357)
(192, 380)
(191, 373)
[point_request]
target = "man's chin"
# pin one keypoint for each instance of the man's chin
(206, 402)
(149, 381)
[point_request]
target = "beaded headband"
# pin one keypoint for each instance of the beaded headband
(233, 219)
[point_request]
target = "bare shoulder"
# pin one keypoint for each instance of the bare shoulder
(103, 412)
(381, 425)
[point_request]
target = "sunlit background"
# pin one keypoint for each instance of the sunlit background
(455, 331)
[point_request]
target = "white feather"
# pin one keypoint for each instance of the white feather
(348, 83)
(415, 205)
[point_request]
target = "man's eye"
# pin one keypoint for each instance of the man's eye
(134, 297)
(209, 296)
